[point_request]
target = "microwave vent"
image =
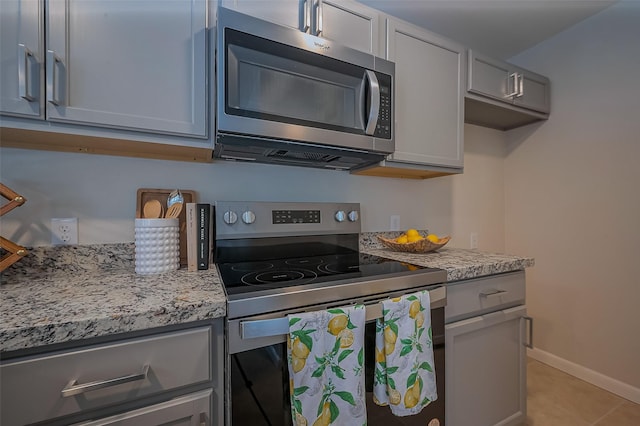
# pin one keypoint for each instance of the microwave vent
(303, 155)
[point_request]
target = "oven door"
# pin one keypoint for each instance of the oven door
(278, 83)
(259, 378)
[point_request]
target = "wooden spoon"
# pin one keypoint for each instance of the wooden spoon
(174, 211)
(152, 209)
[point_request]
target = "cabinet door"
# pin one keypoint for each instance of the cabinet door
(429, 96)
(535, 92)
(489, 77)
(137, 64)
(500, 80)
(21, 57)
(347, 22)
(350, 24)
(292, 13)
(485, 369)
(190, 410)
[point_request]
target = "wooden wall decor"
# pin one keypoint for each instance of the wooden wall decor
(14, 251)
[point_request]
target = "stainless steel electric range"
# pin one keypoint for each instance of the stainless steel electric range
(277, 258)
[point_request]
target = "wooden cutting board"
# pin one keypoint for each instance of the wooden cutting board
(147, 194)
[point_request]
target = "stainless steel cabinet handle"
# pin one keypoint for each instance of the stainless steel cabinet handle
(75, 389)
(513, 79)
(304, 15)
(529, 343)
(520, 85)
(492, 293)
(53, 86)
(317, 18)
(24, 74)
(374, 110)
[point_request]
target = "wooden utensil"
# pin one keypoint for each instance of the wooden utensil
(152, 209)
(174, 211)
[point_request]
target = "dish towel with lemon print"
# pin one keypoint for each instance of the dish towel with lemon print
(404, 371)
(326, 361)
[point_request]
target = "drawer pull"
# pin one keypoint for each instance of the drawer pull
(529, 343)
(492, 293)
(74, 389)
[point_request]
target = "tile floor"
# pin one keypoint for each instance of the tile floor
(556, 398)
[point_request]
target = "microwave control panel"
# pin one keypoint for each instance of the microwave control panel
(383, 127)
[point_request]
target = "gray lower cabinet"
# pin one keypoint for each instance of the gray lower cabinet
(486, 339)
(348, 22)
(504, 96)
(190, 410)
(429, 104)
(163, 378)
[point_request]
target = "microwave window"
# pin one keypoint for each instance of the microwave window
(294, 89)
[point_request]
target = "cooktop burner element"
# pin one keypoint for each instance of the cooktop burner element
(276, 256)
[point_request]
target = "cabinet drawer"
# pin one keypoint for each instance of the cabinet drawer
(33, 388)
(478, 296)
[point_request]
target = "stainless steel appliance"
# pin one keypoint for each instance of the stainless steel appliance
(288, 97)
(279, 258)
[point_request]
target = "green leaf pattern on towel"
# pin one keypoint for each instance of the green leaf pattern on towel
(327, 387)
(404, 377)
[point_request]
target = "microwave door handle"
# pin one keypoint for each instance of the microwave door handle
(374, 110)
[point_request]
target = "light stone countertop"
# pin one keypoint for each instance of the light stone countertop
(93, 291)
(63, 294)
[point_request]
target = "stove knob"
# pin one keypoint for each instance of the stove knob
(248, 217)
(230, 217)
(353, 216)
(340, 216)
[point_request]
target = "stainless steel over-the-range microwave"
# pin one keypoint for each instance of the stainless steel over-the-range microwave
(287, 97)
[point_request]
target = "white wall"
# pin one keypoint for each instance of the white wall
(101, 192)
(573, 199)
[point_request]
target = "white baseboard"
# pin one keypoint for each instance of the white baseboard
(597, 379)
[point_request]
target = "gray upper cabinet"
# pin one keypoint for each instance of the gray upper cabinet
(134, 65)
(429, 103)
(504, 96)
(21, 56)
(347, 22)
(128, 64)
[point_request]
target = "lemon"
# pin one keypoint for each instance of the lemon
(346, 338)
(299, 349)
(337, 324)
(300, 420)
(419, 319)
(412, 233)
(389, 348)
(413, 239)
(325, 417)
(389, 335)
(402, 239)
(394, 397)
(410, 400)
(380, 356)
(297, 363)
(414, 308)
(416, 390)
(433, 238)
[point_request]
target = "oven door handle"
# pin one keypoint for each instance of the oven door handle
(253, 329)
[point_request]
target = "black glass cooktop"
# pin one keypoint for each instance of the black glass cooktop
(253, 265)
(244, 277)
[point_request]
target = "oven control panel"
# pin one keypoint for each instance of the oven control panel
(295, 216)
(238, 219)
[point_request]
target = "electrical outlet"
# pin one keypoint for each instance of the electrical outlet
(473, 240)
(64, 231)
(394, 223)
